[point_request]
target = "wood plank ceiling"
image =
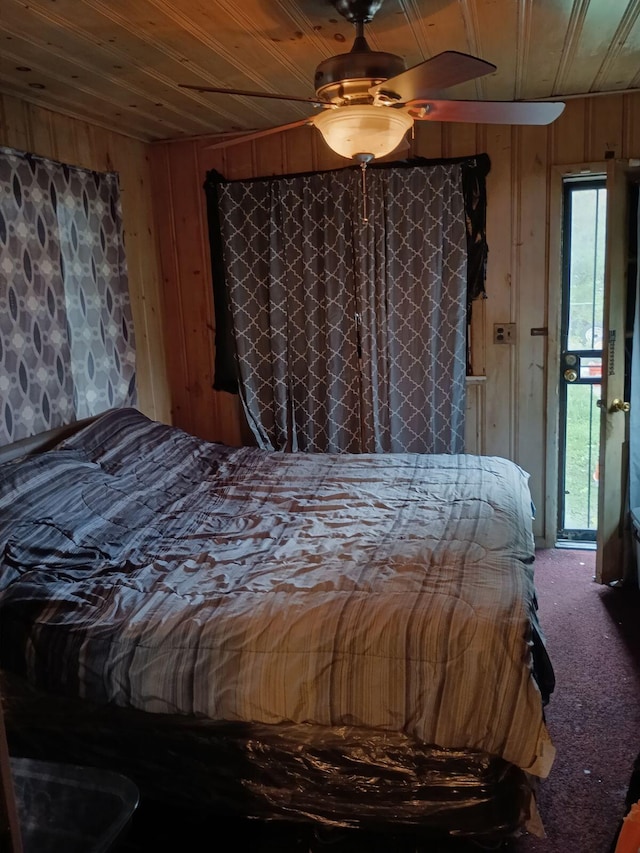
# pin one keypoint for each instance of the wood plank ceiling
(118, 63)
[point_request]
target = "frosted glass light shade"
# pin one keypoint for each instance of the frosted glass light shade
(366, 129)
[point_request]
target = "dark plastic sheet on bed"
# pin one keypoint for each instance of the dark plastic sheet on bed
(337, 777)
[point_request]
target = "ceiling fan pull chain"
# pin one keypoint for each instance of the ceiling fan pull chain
(363, 172)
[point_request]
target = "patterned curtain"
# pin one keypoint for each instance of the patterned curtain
(67, 347)
(290, 274)
(412, 285)
(350, 331)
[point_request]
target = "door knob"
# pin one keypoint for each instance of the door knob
(571, 375)
(619, 406)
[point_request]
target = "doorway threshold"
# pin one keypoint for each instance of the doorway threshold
(576, 545)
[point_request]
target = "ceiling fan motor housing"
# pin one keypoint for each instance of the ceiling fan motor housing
(349, 76)
(357, 10)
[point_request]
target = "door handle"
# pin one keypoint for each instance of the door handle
(619, 406)
(570, 374)
(616, 406)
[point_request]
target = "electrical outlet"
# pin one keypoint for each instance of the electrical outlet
(504, 333)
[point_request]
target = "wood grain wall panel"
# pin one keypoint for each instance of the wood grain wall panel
(299, 148)
(42, 134)
(238, 162)
(631, 124)
(605, 128)
(177, 363)
(568, 133)
(170, 248)
(474, 416)
(65, 144)
(85, 140)
(478, 342)
(531, 236)
(29, 128)
(15, 126)
(191, 265)
(500, 308)
(133, 167)
(208, 158)
(462, 140)
(269, 156)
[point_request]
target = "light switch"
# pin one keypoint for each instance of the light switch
(504, 333)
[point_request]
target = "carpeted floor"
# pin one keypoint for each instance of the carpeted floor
(593, 638)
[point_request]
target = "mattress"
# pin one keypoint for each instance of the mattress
(147, 569)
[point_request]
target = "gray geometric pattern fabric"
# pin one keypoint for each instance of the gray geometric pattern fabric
(67, 348)
(413, 283)
(290, 271)
(350, 333)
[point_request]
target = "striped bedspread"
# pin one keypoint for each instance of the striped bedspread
(147, 568)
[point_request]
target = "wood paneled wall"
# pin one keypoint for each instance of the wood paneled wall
(49, 134)
(513, 411)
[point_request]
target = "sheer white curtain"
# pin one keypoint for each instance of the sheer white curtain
(350, 333)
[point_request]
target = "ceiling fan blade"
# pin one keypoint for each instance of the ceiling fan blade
(249, 135)
(441, 71)
(486, 112)
(247, 94)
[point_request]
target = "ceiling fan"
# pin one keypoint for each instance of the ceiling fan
(369, 100)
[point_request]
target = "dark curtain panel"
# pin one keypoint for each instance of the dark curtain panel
(349, 334)
(289, 269)
(412, 306)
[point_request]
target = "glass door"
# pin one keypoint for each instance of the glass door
(584, 241)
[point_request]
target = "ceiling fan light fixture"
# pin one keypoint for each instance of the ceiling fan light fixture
(363, 129)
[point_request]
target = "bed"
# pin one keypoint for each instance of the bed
(344, 639)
